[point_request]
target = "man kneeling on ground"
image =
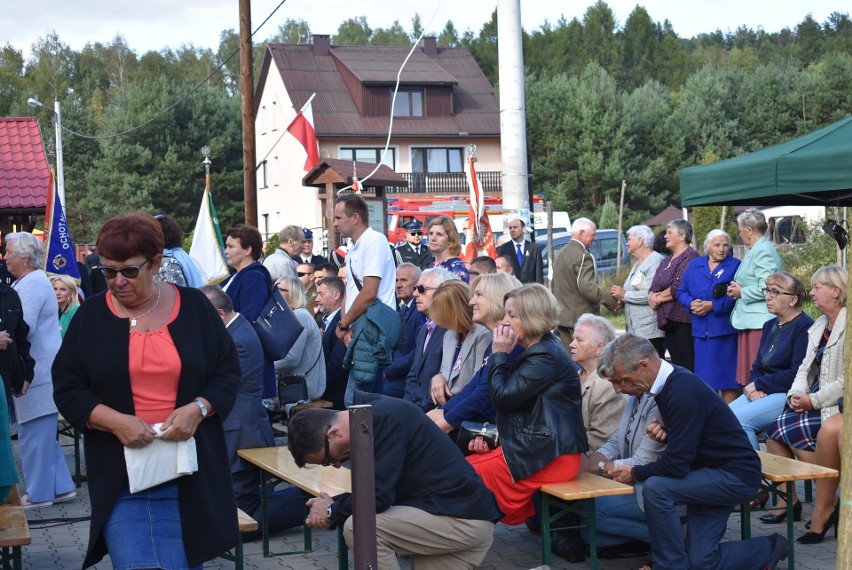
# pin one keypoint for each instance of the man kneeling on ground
(430, 504)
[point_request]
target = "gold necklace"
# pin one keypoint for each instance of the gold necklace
(137, 317)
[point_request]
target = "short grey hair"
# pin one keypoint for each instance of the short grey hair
(415, 271)
(644, 233)
(28, 247)
(600, 327)
(754, 219)
(627, 350)
(442, 274)
(683, 228)
(218, 298)
(582, 225)
(713, 234)
(291, 232)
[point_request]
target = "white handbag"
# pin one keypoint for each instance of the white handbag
(159, 461)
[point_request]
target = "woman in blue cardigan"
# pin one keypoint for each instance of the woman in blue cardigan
(782, 349)
(703, 293)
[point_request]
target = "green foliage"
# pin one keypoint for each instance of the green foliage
(272, 243)
(608, 214)
(819, 250)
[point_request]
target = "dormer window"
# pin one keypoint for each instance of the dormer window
(409, 103)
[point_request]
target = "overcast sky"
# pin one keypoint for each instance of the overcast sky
(156, 24)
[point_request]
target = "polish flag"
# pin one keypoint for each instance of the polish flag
(302, 127)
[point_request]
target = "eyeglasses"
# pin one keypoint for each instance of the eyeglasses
(300, 274)
(772, 293)
(415, 233)
(327, 462)
(423, 288)
(129, 271)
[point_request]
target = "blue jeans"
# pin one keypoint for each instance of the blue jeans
(755, 416)
(619, 520)
(709, 496)
(144, 530)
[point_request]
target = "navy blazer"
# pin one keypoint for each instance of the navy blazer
(403, 354)
(247, 425)
(426, 364)
(698, 283)
(336, 376)
(532, 270)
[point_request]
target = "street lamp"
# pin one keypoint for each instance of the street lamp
(57, 119)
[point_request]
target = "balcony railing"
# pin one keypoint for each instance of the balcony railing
(446, 182)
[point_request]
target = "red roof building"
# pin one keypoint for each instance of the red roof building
(24, 174)
(444, 105)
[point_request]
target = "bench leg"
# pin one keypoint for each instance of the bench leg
(238, 555)
(264, 506)
(77, 470)
(545, 529)
(593, 533)
(342, 551)
(791, 531)
(306, 530)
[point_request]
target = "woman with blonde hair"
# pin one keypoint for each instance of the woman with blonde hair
(538, 401)
(305, 359)
(465, 341)
(473, 402)
(817, 387)
(445, 245)
(65, 290)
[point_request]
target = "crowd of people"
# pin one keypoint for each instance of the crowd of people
(440, 348)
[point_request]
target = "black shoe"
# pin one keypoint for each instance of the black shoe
(817, 537)
(779, 550)
(632, 549)
(770, 518)
(567, 545)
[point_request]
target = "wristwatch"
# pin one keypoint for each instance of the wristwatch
(328, 511)
(203, 408)
(601, 465)
(341, 327)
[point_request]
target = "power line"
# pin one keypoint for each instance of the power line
(181, 99)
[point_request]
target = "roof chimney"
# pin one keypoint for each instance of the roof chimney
(429, 46)
(321, 44)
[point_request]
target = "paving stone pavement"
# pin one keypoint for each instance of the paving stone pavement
(60, 535)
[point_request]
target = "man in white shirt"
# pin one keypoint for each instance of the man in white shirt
(371, 273)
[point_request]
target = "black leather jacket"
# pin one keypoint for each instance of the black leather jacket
(538, 402)
(16, 364)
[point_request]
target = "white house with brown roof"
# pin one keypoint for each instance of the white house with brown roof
(444, 104)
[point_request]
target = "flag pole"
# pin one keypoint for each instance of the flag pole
(206, 152)
(308, 102)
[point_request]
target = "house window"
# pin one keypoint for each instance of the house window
(263, 120)
(437, 159)
(371, 155)
(409, 103)
(276, 171)
(261, 175)
(274, 116)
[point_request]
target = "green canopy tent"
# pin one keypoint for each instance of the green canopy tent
(812, 170)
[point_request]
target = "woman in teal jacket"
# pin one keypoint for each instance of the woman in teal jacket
(748, 288)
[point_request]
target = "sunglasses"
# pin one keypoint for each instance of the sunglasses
(129, 271)
(416, 233)
(423, 288)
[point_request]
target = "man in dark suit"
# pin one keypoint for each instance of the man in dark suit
(247, 425)
(412, 320)
(413, 250)
(330, 291)
(527, 262)
(428, 347)
(306, 254)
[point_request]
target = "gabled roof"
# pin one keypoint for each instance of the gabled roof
(384, 176)
(24, 175)
(476, 109)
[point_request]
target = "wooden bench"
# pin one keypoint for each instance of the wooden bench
(246, 524)
(277, 465)
(576, 496)
(66, 429)
(14, 531)
(776, 472)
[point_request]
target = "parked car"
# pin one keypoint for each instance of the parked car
(605, 250)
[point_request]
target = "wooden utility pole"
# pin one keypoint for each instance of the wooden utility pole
(247, 89)
(620, 222)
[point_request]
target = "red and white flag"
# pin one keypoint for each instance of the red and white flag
(480, 239)
(302, 127)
